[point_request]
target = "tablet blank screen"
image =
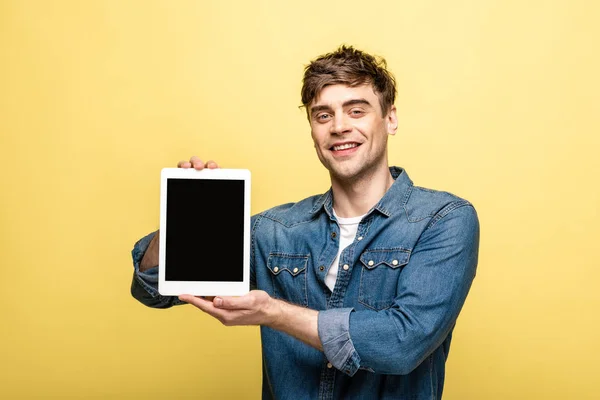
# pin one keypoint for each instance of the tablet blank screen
(205, 230)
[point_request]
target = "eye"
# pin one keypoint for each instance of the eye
(323, 117)
(356, 112)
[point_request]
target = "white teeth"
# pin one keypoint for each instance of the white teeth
(345, 146)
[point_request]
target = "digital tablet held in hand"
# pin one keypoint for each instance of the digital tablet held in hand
(204, 243)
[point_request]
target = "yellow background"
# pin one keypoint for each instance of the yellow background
(498, 102)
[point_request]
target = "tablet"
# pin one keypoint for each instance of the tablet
(204, 242)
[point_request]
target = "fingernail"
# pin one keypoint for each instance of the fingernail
(218, 302)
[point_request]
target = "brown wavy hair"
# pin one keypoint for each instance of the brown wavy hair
(349, 66)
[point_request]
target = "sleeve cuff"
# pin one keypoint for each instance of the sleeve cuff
(144, 285)
(334, 332)
(148, 279)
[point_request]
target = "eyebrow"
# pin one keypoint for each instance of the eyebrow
(352, 102)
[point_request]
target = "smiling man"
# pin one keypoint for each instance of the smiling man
(357, 291)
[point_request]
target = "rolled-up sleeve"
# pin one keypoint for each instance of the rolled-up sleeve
(144, 285)
(334, 332)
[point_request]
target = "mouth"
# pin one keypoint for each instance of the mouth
(344, 146)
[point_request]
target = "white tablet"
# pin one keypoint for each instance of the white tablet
(204, 243)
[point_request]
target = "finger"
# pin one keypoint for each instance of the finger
(184, 164)
(206, 306)
(211, 164)
(234, 302)
(197, 163)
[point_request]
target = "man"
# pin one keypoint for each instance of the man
(356, 291)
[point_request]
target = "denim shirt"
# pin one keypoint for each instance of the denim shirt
(386, 327)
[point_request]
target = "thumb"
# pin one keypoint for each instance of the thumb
(230, 303)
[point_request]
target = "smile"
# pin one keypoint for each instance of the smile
(344, 146)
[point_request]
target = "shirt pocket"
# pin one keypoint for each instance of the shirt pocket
(288, 273)
(379, 276)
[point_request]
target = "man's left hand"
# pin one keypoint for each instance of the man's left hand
(254, 308)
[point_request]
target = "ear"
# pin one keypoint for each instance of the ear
(392, 121)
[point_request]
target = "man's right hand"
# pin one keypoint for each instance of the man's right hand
(150, 258)
(197, 163)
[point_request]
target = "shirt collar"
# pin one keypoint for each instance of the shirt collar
(387, 205)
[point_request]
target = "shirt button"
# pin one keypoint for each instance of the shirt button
(275, 269)
(333, 235)
(321, 268)
(329, 365)
(395, 262)
(295, 270)
(359, 238)
(345, 267)
(370, 263)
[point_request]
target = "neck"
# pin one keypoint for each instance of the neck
(355, 197)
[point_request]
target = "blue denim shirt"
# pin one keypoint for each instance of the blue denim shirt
(386, 327)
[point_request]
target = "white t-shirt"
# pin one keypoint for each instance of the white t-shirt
(348, 228)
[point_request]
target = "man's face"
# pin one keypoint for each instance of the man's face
(349, 131)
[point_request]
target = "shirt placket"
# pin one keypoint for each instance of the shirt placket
(336, 300)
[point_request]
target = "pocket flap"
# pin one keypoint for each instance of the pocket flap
(393, 258)
(293, 264)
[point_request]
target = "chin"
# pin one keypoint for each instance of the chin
(344, 172)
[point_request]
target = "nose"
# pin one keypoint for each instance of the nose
(340, 124)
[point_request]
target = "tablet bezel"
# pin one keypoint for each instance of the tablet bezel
(203, 288)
